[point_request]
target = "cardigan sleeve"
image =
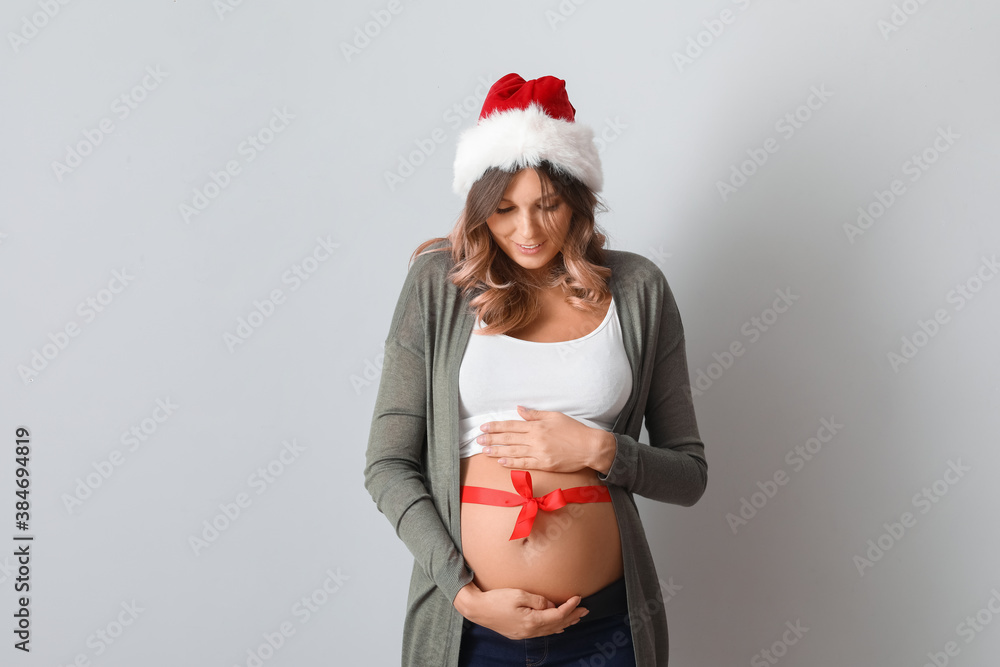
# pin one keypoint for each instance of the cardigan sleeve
(394, 469)
(672, 467)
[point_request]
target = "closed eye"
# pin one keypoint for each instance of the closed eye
(501, 211)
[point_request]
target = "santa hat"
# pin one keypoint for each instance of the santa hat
(521, 124)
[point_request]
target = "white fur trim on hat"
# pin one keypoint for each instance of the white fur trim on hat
(518, 138)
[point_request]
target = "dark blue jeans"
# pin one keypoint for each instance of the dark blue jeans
(602, 638)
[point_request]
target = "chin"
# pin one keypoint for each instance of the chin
(541, 265)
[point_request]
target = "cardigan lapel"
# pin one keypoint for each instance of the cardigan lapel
(465, 320)
(626, 319)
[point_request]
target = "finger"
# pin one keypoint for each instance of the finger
(503, 440)
(507, 451)
(564, 611)
(547, 618)
(520, 463)
(534, 414)
(575, 612)
(498, 449)
(536, 601)
(570, 604)
(559, 617)
(509, 425)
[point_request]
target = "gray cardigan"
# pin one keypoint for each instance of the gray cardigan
(412, 463)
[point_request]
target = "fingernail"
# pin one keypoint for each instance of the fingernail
(585, 612)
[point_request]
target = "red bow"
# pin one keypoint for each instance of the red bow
(530, 504)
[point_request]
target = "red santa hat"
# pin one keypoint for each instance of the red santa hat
(521, 124)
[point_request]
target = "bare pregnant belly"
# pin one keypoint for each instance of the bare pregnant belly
(574, 550)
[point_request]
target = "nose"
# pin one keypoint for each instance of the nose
(529, 225)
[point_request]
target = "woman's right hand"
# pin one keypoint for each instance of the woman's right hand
(516, 613)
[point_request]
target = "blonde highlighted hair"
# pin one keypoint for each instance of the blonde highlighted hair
(506, 295)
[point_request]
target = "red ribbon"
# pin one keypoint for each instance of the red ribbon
(530, 504)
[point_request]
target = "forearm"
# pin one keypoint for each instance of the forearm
(676, 475)
(425, 535)
(394, 470)
(396, 473)
(400, 494)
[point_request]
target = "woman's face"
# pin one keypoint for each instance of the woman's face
(517, 222)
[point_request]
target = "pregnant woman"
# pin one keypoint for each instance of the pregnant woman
(521, 361)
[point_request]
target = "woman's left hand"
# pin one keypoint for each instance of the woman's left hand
(545, 440)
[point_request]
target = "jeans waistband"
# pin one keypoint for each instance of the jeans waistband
(611, 599)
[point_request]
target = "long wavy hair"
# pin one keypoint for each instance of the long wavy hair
(506, 294)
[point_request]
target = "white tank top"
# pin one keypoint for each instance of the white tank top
(587, 378)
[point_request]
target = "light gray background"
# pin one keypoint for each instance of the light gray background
(309, 372)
